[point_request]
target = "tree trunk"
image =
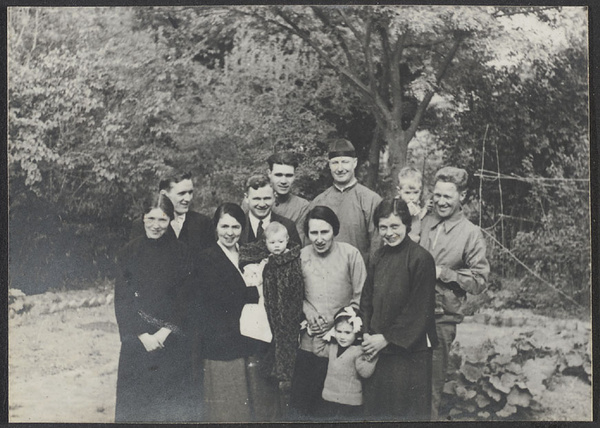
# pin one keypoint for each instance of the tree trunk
(373, 165)
(398, 150)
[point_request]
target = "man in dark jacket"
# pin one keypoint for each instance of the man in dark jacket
(260, 197)
(192, 228)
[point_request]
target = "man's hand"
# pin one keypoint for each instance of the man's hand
(150, 342)
(373, 343)
(438, 271)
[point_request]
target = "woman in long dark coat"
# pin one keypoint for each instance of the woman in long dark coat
(152, 382)
(398, 302)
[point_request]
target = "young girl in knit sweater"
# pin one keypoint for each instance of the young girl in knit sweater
(342, 391)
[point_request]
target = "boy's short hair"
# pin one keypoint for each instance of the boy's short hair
(450, 174)
(409, 173)
(273, 228)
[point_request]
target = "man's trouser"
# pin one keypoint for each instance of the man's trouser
(446, 333)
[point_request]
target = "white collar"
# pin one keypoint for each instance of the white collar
(254, 221)
(180, 218)
(347, 186)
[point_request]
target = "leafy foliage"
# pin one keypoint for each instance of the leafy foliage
(104, 101)
(505, 378)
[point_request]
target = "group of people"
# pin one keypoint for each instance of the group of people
(281, 309)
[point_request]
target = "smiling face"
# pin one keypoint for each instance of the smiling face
(447, 199)
(260, 201)
(181, 195)
(228, 231)
(342, 169)
(282, 177)
(156, 222)
(392, 230)
(320, 234)
(344, 334)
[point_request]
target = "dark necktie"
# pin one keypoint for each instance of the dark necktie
(259, 230)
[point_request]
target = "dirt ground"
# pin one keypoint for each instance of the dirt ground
(63, 354)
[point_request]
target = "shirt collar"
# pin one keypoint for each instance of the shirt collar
(449, 223)
(254, 221)
(353, 183)
(180, 218)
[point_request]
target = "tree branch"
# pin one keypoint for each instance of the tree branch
(369, 56)
(396, 79)
(365, 42)
(384, 87)
(411, 131)
(338, 35)
(367, 94)
(350, 25)
(505, 11)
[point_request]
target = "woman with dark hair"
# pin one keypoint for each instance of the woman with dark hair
(221, 296)
(152, 379)
(398, 303)
(334, 273)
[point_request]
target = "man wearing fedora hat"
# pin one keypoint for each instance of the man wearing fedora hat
(352, 202)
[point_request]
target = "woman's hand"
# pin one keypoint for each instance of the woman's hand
(319, 326)
(150, 342)
(373, 343)
(161, 335)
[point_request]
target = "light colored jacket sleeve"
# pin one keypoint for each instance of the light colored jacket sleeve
(364, 367)
(473, 277)
(358, 275)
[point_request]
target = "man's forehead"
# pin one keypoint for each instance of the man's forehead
(266, 189)
(185, 184)
(342, 159)
(282, 166)
(445, 185)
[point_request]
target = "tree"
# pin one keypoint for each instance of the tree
(396, 58)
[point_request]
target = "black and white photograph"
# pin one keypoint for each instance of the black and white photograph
(299, 213)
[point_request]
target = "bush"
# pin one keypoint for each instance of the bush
(505, 378)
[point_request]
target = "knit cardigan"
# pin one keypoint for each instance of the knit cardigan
(283, 288)
(343, 383)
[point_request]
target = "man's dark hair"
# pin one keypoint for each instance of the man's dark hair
(257, 181)
(167, 182)
(282, 158)
(394, 206)
(321, 212)
(234, 210)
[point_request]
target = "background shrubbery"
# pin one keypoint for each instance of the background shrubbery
(103, 101)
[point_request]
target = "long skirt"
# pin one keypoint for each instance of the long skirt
(154, 386)
(226, 391)
(400, 388)
(235, 391)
